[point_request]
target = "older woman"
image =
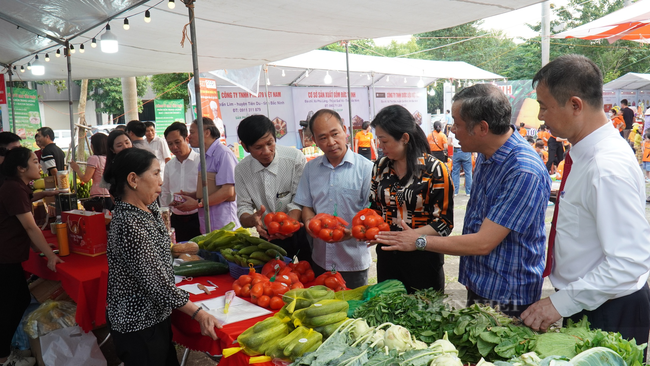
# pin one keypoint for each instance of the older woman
(18, 229)
(141, 290)
(410, 187)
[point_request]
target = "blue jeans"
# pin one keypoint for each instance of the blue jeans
(463, 160)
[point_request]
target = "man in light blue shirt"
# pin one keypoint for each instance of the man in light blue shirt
(337, 182)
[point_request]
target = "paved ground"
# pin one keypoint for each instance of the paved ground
(456, 291)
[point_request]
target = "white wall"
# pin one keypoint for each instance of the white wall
(54, 114)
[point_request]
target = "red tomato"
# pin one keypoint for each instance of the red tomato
(279, 288)
(237, 288)
(303, 266)
(268, 219)
(286, 227)
(372, 221)
(283, 279)
(341, 221)
(246, 290)
(297, 285)
(264, 301)
(332, 282)
(310, 275)
(257, 290)
(359, 232)
(383, 227)
(268, 291)
(273, 228)
(329, 222)
(325, 234)
(371, 233)
(315, 226)
(276, 303)
(356, 221)
(337, 235)
(294, 277)
(257, 277)
(280, 216)
(245, 279)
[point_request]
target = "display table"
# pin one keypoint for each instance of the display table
(81, 278)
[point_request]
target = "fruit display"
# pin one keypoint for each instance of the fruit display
(280, 223)
(366, 224)
(327, 227)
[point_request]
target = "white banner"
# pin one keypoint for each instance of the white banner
(610, 99)
(415, 100)
(630, 95)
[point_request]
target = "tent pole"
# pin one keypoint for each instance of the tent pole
(266, 88)
(347, 70)
(374, 112)
(72, 141)
(11, 92)
(199, 114)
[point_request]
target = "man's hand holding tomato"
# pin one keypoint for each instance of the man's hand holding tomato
(325, 228)
(280, 225)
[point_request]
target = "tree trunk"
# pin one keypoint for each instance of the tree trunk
(130, 97)
(81, 142)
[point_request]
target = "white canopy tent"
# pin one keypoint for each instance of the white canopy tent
(630, 81)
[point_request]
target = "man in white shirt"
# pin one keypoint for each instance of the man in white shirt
(266, 181)
(157, 145)
(180, 175)
(600, 257)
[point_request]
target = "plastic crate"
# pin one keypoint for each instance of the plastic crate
(236, 270)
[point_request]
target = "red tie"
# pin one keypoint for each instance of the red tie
(551, 236)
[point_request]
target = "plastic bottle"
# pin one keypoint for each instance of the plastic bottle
(62, 237)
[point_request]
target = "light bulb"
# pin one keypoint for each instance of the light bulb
(328, 78)
(37, 68)
(432, 92)
(388, 78)
(268, 81)
(47, 57)
(147, 17)
(404, 80)
(171, 4)
(435, 83)
(22, 68)
(307, 73)
(82, 49)
(14, 67)
(72, 50)
(283, 75)
(58, 53)
(29, 66)
(368, 76)
(108, 41)
(93, 43)
(420, 83)
(126, 24)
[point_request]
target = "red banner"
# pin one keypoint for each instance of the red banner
(3, 90)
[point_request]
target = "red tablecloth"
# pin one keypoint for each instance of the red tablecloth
(81, 278)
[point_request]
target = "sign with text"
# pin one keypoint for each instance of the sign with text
(413, 99)
(3, 90)
(210, 105)
(168, 112)
(28, 116)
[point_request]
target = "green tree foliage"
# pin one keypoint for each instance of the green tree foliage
(107, 94)
(171, 86)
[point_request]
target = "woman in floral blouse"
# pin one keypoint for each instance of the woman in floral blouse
(411, 188)
(141, 290)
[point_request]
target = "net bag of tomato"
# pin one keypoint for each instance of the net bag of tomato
(303, 270)
(327, 227)
(280, 223)
(332, 280)
(367, 223)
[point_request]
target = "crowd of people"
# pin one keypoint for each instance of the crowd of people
(598, 264)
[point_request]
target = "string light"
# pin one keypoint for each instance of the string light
(328, 78)
(72, 50)
(22, 68)
(47, 57)
(283, 75)
(420, 83)
(307, 73)
(29, 66)
(37, 69)
(93, 43)
(126, 24)
(388, 78)
(58, 53)
(147, 17)
(432, 92)
(171, 4)
(109, 42)
(82, 49)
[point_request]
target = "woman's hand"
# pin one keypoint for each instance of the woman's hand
(74, 166)
(207, 323)
(52, 261)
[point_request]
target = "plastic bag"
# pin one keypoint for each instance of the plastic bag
(50, 316)
(71, 347)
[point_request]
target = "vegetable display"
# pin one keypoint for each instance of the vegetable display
(327, 227)
(280, 223)
(367, 223)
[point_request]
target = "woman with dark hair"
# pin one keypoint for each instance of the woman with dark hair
(141, 290)
(99, 197)
(410, 188)
(364, 142)
(438, 142)
(117, 141)
(18, 229)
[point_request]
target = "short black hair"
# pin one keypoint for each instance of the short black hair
(542, 127)
(149, 124)
(18, 157)
(253, 128)
(522, 124)
(99, 143)
(177, 126)
(365, 125)
(208, 124)
(531, 140)
(319, 112)
(46, 131)
(136, 127)
(484, 102)
(437, 125)
(126, 162)
(539, 144)
(572, 76)
(121, 128)
(7, 138)
(624, 101)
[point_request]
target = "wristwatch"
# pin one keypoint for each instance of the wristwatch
(421, 242)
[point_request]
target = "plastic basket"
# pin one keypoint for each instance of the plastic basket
(236, 270)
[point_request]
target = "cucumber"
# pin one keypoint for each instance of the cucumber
(329, 329)
(325, 307)
(314, 347)
(266, 245)
(305, 344)
(201, 268)
(248, 250)
(255, 341)
(274, 254)
(255, 262)
(261, 256)
(322, 320)
(292, 337)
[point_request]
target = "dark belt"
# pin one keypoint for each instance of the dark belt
(456, 148)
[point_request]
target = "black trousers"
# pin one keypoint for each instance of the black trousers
(628, 315)
(12, 307)
(296, 244)
(365, 152)
(440, 155)
(186, 226)
(416, 270)
(510, 309)
(555, 153)
(147, 347)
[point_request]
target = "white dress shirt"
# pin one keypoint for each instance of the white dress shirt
(273, 186)
(159, 147)
(602, 245)
(453, 140)
(180, 176)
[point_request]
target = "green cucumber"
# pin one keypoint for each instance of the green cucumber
(261, 256)
(266, 245)
(274, 254)
(255, 262)
(200, 268)
(322, 320)
(248, 250)
(325, 307)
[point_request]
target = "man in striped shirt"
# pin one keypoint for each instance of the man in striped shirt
(503, 242)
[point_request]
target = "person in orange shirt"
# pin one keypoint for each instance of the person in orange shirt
(522, 130)
(364, 142)
(645, 160)
(543, 134)
(539, 148)
(438, 142)
(617, 119)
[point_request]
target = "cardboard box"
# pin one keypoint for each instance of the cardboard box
(43, 290)
(86, 232)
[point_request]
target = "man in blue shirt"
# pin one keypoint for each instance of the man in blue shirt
(337, 182)
(503, 243)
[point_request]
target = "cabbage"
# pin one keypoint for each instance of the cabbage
(446, 360)
(377, 339)
(599, 356)
(419, 344)
(398, 338)
(358, 329)
(482, 362)
(444, 346)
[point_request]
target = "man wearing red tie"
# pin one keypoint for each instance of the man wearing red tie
(599, 245)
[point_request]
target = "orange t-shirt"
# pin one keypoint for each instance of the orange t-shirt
(437, 141)
(523, 132)
(364, 138)
(559, 171)
(619, 123)
(544, 155)
(544, 136)
(646, 151)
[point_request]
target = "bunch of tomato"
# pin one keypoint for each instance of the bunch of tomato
(266, 289)
(327, 227)
(332, 279)
(366, 224)
(303, 270)
(280, 223)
